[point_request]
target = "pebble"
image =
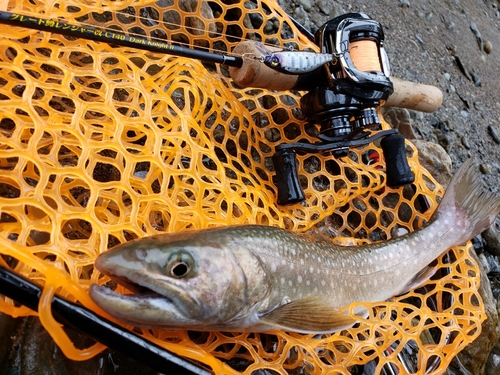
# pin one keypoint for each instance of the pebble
(450, 25)
(306, 4)
(428, 16)
(324, 6)
(465, 142)
(447, 76)
(404, 3)
(492, 238)
(477, 34)
(494, 134)
(487, 47)
(485, 168)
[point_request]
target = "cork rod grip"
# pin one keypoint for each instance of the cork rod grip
(255, 74)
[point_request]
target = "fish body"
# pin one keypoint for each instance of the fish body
(258, 278)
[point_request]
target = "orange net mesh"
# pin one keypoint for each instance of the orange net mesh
(100, 145)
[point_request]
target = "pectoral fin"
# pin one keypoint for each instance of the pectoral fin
(308, 315)
(420, 278)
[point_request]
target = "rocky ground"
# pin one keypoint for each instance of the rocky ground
(454, 45)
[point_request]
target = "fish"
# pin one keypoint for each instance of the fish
(263, 278)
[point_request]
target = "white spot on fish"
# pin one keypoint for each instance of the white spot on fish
(299, 279)
(323, 282)
(282, 280)
(311, 269)
(273, 267)
(290, 283)
(283, 262)
(308, 282)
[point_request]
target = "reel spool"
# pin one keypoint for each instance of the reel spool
(357, 83)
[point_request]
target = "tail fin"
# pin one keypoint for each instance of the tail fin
(468, 203)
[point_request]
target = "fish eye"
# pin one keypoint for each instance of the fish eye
(180, 265)
(275, 61)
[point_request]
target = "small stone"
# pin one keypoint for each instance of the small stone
(465, 142)
(484, 262)
(404, 3)
(485, 168)
(306, 4)
(450, 25)
(492, 238)
(447, 76)
(324, 6)
(487, 47)
(443, 141)
(494, 134)
(428, 16)
(464, 114)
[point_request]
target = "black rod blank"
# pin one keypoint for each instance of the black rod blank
(115, 38)
(98, 328)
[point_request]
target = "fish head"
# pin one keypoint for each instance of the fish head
(177, 281)
(274, 60)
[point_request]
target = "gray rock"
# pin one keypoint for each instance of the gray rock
(493, 363)
(474, 356)
(465, 142)
(325, 6)
(494, 134)
(492, 238)
(435, 159)
(306, 4)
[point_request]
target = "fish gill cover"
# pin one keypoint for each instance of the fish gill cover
(100, 145)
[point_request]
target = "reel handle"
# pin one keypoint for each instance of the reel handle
(398, 171)
(287, 179)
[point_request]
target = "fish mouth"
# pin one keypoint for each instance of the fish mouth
(144, 307)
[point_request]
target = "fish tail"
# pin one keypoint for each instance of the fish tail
(466, 205)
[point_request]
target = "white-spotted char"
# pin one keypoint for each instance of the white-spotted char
(258, 278)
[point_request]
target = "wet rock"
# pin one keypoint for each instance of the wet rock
(493, 363)
(27, 349)
(492, 238)
(474, 356)
(399, 118)
(435, 159)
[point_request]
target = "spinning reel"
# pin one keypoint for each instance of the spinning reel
(343, 98)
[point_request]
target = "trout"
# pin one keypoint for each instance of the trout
(259, 278)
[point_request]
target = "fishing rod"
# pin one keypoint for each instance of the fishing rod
(115, 37)
(96, 327)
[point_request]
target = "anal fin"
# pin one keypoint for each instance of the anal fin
(308, 315)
